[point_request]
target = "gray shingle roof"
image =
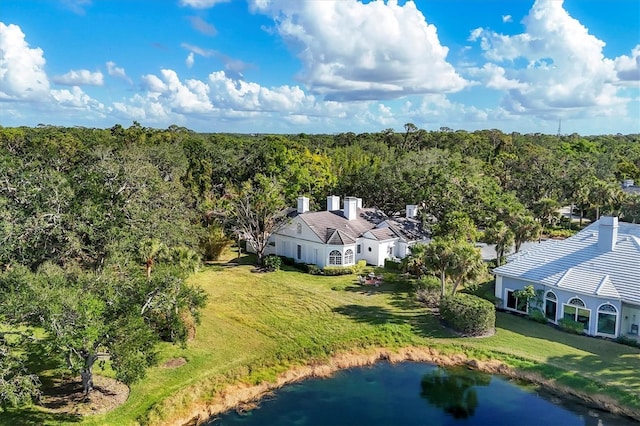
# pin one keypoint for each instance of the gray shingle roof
(333, 228)
(579, 265)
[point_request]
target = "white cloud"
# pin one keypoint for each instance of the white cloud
(207, 53)
(249, 96)
(232, 65)
(75, 98)
(183, 98)
(554, 69)
(80, 78)
(628, 67)
(202, 26)
(201, 4)
(494, 77)
(22, 75)
(507, 18)
(76, 6)
(190, 60)
(117, 72)
(356, 51)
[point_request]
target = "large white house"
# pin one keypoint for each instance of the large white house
(592, 277)
(342, 237)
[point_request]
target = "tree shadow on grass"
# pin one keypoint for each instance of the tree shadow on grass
(34, 416)
(604, 361)
(423, 323)
(42, 362)
(374, 315)
(550, 332)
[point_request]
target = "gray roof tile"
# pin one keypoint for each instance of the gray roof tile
(579, 265)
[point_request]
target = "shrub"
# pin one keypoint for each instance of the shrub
(537, 315)
(215, 242)
(392, 265)
(428, 297)
(468, 314)
(560, 233)
(338, 270)
(624, 340)
(289, 261)
(571, 326)
(359, 266)
(428, 282)
(272, 263)
(313, 269)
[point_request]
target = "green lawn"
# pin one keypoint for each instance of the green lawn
(259, 324)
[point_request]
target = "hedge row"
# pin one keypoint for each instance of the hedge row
(327, 270)
(468, 314)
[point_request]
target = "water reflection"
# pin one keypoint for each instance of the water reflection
(453, 392)
(415, 394)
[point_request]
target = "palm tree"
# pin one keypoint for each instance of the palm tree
(438, 257)
(187, 259)
(503, 238)
(414, 263)
(524, 228)
(467, 264)
(149, 251)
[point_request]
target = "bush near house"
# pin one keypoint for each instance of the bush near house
(468, 314)
(272, 263)
(571, 326)
(537, 315)
(345, 270)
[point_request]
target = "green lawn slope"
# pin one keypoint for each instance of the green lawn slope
(257, 325)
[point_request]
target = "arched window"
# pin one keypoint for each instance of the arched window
(348, 257)
(576, 310)
(576, 301)
(551, 306)
(607, 319)
(335, 258)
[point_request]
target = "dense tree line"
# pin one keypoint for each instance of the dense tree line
(99, 228)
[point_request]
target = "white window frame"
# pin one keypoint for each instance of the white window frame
(583, 307)
(335, 258)
(506, 301)
(617, 315)
(348, 258)
(546, 297)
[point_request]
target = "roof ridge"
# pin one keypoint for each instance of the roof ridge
(603, 281)
(566, 273)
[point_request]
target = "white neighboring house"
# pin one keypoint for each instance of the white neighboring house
(342, 237)
(592, 277)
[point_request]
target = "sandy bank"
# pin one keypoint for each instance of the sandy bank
(235, 396)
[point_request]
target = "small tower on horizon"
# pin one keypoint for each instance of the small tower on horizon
(559, 127)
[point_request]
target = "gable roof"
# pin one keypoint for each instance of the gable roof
(333, 228)
(578, 264)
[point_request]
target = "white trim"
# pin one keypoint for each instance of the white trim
(545, 306)
(506, 300)
(584, 308)
(617, 315)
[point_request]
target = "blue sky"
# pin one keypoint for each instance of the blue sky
(322, 66)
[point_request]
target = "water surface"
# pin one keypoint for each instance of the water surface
(414, 394)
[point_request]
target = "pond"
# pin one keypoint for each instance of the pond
(411, 393)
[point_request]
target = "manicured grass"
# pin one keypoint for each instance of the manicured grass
(259, 324)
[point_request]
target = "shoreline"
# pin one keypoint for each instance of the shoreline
(239, 395)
